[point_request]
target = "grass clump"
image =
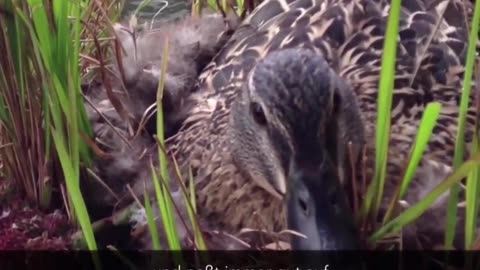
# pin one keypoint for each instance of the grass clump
(42, 116)
(462, 168)
(162, 190)
(472, 202)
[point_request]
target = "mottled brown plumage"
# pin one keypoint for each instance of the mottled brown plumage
(240, 171)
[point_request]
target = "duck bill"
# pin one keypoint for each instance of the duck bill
(318, 209)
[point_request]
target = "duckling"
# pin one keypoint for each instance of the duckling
(267, 137)
(122, 158)
(192, 42)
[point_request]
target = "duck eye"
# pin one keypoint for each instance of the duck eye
(258, 114)
(303, 205)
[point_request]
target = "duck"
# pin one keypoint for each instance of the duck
(278, 109)
(123, 137)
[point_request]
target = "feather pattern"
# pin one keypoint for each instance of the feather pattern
(432, 44)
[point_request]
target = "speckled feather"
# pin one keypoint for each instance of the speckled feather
(350, 35)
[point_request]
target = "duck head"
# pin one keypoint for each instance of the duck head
(291, 125)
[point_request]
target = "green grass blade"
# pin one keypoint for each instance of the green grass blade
(172, 227)
(240, 6)
(387, 75)
(473, 185)
(212, 4)
(166, 211)
(460, 140)
(160, 201)
(418, 209)
(428, 122)
(160, 121)
(191, 188)
(74, 190)
(166, 207)
(152, 226)
(471, 215)
(190, 202)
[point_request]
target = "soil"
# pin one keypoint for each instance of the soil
(24, 227)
